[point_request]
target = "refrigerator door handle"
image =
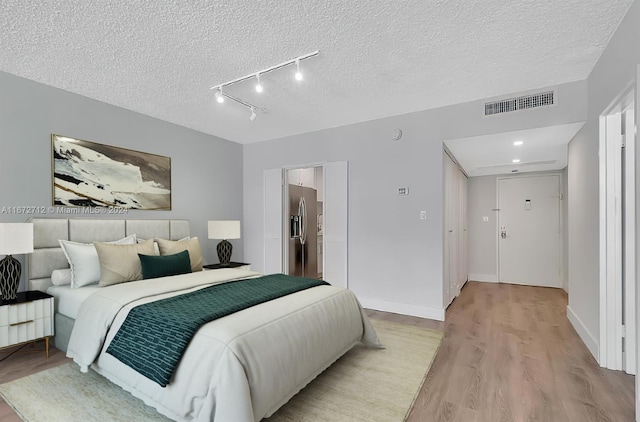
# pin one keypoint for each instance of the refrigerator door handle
(302, 211)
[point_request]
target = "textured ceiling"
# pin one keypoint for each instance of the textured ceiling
(378, 58)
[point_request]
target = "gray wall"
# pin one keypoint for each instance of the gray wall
(206, 171)
(395, 259)
(615, 70)
(483, 236)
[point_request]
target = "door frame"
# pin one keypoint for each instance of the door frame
(610, 351)
(637, 243)
(336, 229)
(563, 224)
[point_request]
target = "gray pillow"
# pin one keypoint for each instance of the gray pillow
(120, 263)
(170, 247)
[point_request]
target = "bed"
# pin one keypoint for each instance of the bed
(241, 367)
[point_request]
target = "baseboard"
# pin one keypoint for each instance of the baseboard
(584, 333)
(403, 308)
(486, 278)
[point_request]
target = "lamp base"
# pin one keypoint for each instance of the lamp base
(224, 249)
(10, 270)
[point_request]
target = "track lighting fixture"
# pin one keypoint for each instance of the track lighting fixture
(298, 74)
(220, 96)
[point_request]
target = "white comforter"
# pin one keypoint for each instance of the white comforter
(242, 367)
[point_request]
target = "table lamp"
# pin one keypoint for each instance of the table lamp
(224, 229)
(15, 238)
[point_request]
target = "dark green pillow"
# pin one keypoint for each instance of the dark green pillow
(154, 266)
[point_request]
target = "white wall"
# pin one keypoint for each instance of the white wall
(613, 72)
(483, 236)
(395, 259)
(206, 171)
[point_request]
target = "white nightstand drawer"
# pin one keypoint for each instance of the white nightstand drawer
(28, 318)
(20, 312)
(25, 331)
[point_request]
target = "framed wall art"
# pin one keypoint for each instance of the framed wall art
(88, 174)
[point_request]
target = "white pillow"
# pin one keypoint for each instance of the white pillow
(84, 262)
(61, 277)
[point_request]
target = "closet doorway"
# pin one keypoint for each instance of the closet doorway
(455, 248)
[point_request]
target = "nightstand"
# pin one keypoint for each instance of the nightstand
(234, 265)
(25, 319)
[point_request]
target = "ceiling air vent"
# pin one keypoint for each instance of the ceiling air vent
(520, 103)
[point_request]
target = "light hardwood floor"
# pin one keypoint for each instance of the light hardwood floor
(509, 354)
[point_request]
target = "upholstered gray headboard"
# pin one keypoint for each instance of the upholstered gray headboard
(48, 256)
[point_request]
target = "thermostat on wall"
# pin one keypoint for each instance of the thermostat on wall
(403, 191)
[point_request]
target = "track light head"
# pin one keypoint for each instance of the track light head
(219, 96)
(253, 114)
(298, 74)
(259, 88)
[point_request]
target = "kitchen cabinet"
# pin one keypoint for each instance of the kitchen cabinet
(303, 177)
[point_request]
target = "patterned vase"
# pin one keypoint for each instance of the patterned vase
(224, 249)
(10, 270)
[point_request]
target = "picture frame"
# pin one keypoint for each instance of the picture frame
(89, 174)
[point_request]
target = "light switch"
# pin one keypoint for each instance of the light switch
(485, 218)
(423, 215)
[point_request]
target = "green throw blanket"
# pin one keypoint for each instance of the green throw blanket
(154, 336)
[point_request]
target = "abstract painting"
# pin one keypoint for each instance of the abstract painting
(88, 174)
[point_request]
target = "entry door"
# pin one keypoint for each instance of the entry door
(529, 231)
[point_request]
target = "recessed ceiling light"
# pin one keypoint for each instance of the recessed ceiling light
(517, 143)
(517, 160)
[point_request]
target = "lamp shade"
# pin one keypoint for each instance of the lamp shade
(224, 229)
(16, 238)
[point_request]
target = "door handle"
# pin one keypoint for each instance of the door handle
(503, 234)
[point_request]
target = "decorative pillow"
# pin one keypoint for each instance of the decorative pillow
(61, 277)
(120, 263)
(165, 265)
(83, 260)
(156, 250)
(170, 247)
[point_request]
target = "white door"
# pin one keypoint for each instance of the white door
(618, 235)
(336, 181)
(450, 263)
(529, 231)
(273, 227)
(455, 227)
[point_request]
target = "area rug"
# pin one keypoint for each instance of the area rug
(364, 385)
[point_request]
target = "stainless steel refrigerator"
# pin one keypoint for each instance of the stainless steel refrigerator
(303, 231)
